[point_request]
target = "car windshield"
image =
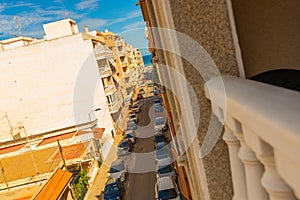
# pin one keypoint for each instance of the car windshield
(160, 145)
(132, 116)
(128, 136)
(116, 168)
(159, 139)
(163, 153)
(167, 194)
(166, 169)
(124, 144)
(159, 121)
(130, 123)
(111, 188)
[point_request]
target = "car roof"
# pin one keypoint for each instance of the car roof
(117, 163)
(131, 132)
(112, 181)
(125, 141)
(164, 161)
(165, 183)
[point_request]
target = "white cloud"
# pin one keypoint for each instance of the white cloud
(31, 22)
(87, 4)
(93, 24)
(4, 6)
(129, 16)
(138, 24)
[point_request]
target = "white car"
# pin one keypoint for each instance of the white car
(161, 124)
(133, 117)
(118, 170)
(136, 107)
(129, 134)
(165, 167)
(166, 188)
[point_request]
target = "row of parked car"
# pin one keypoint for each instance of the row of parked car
(166, 178)
(114, 188)
(166, 186)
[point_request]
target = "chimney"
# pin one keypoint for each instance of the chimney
(86, 29)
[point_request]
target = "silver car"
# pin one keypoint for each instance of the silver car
(165, 167)
(118, 170)
(161, 124)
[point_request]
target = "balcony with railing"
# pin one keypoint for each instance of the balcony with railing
(115, 106)
(109, 89)
(103, 53)
(262, 131)
(105, 72)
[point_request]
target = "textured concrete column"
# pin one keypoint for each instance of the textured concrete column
(273, 183)
(237, 167)
(254, 171)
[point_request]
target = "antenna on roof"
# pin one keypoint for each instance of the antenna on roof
(19, 25)
(67, 15)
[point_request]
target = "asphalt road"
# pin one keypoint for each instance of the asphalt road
(140, 181)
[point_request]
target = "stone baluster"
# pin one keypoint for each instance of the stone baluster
(237, 167)
(253, 168)
(254, 171)
(272, 182)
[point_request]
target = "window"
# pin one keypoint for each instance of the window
(110, 99)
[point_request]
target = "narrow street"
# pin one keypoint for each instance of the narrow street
(140, 183)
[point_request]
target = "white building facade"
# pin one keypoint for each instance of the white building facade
(52, 86)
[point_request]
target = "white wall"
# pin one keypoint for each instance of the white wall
(38, 82)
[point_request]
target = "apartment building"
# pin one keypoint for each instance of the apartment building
(241, 59)
(125, 68)
(51, 90)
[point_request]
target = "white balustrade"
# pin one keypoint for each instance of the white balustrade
(262, 131)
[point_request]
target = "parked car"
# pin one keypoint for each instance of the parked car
(129, 134)
(158, 108)
(114, 189)
(142, 91)
(155, 90)
(165, 152)
(118, 170)
(139, 96)
(160, 145)
(157, 101)
(131, 125)
(124, 147)
(166, 188)
(160, 124)
(133, 117)
(160, 138)
(136, 107)
(165, 167)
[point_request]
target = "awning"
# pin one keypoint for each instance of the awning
(55, 186)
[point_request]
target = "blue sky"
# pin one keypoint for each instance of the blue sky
(120, 16)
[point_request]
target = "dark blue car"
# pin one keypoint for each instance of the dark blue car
(113, 189)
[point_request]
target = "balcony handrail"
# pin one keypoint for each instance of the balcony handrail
(264, 120)
(271, 107)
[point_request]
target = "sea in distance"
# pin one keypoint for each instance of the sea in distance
(147, 60)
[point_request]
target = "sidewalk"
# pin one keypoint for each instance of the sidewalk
(94, 193)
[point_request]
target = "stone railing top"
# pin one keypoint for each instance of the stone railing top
(273, 113)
